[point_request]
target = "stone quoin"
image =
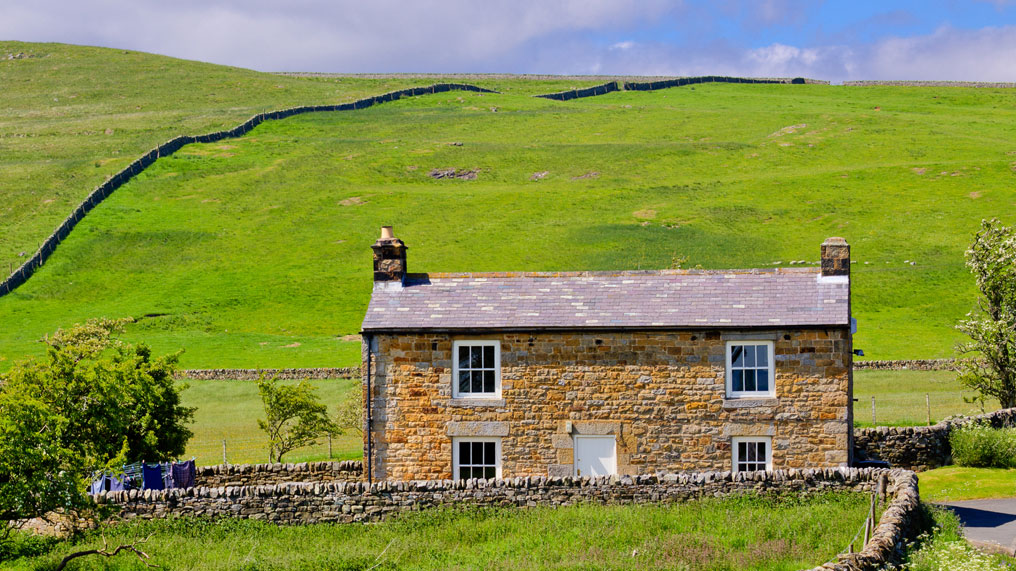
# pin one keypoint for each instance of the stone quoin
(557, 374)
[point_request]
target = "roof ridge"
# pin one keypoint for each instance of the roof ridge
(609, 273)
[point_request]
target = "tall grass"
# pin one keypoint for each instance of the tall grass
(981, 446)
(748, 532)
(943, 548)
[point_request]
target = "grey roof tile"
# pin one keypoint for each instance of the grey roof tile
(577, 300)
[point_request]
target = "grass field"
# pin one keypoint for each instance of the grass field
(255, 253)
(900, 397)
(955, 483)
(735, 533)
(229, 410)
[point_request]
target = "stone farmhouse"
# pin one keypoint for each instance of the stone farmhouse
(481, 375)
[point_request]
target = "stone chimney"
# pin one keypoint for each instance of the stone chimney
(389, 257)
(835, 257)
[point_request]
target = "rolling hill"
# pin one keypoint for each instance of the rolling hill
(255, 252)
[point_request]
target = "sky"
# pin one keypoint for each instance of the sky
(973, 40)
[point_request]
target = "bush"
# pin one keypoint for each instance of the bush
(981, 446)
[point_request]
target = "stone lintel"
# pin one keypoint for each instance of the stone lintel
(596, 427)
(467, 402)
(490, 428)
(735, 429)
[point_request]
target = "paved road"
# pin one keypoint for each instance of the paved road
(988, 521)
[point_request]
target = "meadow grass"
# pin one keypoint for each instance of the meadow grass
(255, 252)
(942, 547)
(899, 397)
(229, 410)
(955, 483)
(746, 532)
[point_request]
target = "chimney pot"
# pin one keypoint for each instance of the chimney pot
(389, 257)
(835, 257)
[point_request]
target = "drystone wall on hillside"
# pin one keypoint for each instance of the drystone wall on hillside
(255, 374)
(46, 249)
(272, 474)
(919, 447)
(907, 365)
(305, 503)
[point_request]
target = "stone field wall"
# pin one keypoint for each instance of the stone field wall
(661, 395)
(907, 365)
(255, 374)
(271, 474)
(919, 447)
(306, 503)
(890, 83)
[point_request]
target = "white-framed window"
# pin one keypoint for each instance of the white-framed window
(752, 453)
(476, 457)
(476, 369)
(750, 369)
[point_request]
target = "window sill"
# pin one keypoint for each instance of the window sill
(750, 402)
(476, 402)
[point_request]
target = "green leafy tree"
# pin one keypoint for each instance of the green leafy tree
(989, 363)
(93, 403)
(349, 417)
(296, 416)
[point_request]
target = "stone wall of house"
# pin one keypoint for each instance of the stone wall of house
(270, 474)
(920, 447)
(304, 503)
(661, 394)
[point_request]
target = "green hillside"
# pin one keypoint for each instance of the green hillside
(256, 252)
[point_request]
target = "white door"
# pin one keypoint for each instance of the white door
(595, 456)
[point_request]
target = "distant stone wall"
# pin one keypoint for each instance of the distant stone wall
(587, 92)
(870, 83)
(919, 447)
(272, 474)
(306, 503)
(29, 267)
(682, 81)
(255, 374)
(907, 365)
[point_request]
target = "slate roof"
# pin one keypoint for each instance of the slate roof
(665, 299)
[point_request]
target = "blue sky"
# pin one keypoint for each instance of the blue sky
(948, 40)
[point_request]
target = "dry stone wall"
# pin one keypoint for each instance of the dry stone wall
(588, 92)
(255, 374)
(662, 395)
(919, 447)
(907, 365)
(271, 474)
(347, 502)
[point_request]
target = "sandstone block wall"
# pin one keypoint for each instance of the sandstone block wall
(661, 394)
(270, 474)
(305, 503)
(920, 447)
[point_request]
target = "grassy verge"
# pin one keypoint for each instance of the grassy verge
(954, 483)
(734, 533)
(943, 548)
(900, 401)
(228, 410)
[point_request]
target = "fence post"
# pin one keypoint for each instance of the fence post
(224, 451)
(873, 412)
(329, 446)
(927, 403)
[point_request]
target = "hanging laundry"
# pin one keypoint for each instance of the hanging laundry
(151, 477)
(184, 474)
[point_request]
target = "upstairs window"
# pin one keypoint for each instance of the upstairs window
(476, 458)
(752, 453)
(476, 371)
(750, 369)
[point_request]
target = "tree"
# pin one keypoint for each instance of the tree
(296, 416)
(92, 404)
(349, 418)
(989, 363)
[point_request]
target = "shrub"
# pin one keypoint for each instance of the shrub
(981, 446)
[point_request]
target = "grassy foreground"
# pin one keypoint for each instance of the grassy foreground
(256, 252)
(900, 397)
(229, 410)
(735, 533)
